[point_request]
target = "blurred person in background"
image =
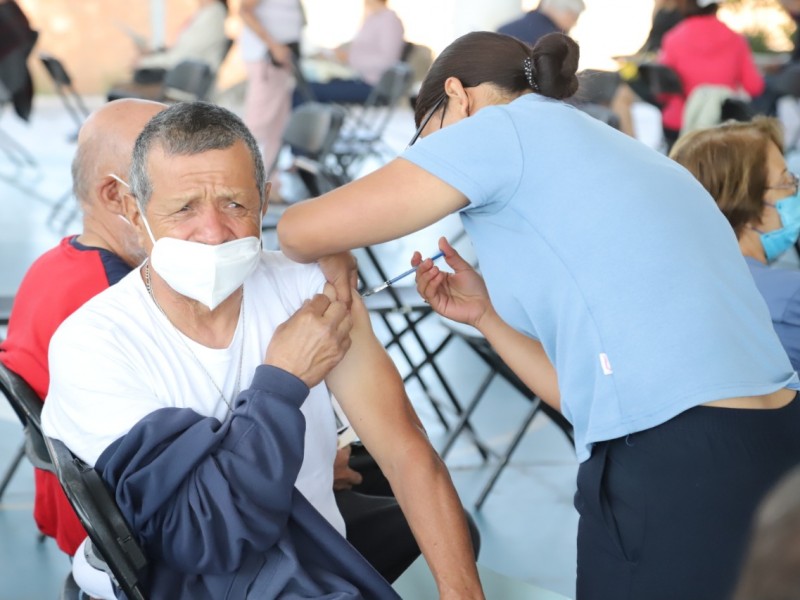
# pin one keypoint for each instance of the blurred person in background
(550, 16)
(377, 45)
(743, 168)
(16, 42)
(201, 38)
(270, 44)
(702, 50)
(771, 570)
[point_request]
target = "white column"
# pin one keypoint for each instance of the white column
(158, 18)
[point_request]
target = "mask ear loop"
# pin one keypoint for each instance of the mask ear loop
(138, 205)
(125, 183)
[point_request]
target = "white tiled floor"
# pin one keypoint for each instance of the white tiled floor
(528, 524)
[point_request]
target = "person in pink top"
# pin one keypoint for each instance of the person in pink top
(377, 45)
(705, 51)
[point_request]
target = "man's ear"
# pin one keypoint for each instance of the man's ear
(130, 210)
(267, 190)
(110, 194)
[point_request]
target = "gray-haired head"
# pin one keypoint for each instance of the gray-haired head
(575, 6)
(186, 129)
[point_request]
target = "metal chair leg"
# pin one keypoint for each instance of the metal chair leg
(535, 406)
(12, 468)
(463, 421)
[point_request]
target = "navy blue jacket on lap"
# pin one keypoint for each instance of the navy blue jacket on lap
(215, 509)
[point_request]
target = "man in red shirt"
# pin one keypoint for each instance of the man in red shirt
(81, 266)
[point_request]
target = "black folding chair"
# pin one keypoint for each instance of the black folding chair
(14, 151)
(78, 112)
(660, 79)
(6, 302)
(362, 134)
(63, 84)
(310, 133)
(187, 81)
(111, 537)
(28, 407)
(483, 349)
(401, 310)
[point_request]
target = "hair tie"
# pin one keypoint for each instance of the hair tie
(528, 66)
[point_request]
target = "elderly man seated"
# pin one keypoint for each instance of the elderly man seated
(199, 385)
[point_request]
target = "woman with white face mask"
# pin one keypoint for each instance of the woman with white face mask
(764, 213)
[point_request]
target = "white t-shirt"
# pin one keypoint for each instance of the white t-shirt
(283, 20)
(118, 359)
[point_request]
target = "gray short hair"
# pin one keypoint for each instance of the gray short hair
(573, 6)
(189, 128)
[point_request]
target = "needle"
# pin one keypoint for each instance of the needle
(386, 284)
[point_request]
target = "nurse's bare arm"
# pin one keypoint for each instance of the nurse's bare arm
(397, 199)
(370, 390)
(462, 296)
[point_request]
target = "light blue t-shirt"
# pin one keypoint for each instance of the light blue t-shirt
(615, 258)
(781, 290)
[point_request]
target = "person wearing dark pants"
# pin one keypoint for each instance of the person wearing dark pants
(705, 459)
(375, 523)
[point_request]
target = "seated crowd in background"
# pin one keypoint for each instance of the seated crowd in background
(201, 39)
(348, 73)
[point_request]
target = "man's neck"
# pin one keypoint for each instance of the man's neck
(92, 240)
(211, 328)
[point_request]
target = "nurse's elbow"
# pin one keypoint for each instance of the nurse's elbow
(291, 239)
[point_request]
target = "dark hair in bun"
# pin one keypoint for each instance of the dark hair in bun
(486, 57)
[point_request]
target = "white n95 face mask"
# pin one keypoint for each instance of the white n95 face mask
(206, 273)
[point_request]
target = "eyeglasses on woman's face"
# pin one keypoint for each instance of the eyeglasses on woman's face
(424, 122)
(789, 181)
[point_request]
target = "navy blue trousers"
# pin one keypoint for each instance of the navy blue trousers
(338, 91)
(665, 513)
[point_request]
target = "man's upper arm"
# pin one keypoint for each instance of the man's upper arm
(371, 392)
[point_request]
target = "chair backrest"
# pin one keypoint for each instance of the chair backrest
(393, 85)
(28, 407)
(5, 301)
(26, 404)
(660, 79)
(311, 132)
(55, 69)
(313, 127)
(72, 100)
(419, 58)
(370, 122)
(188, 81)
(110, 534)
